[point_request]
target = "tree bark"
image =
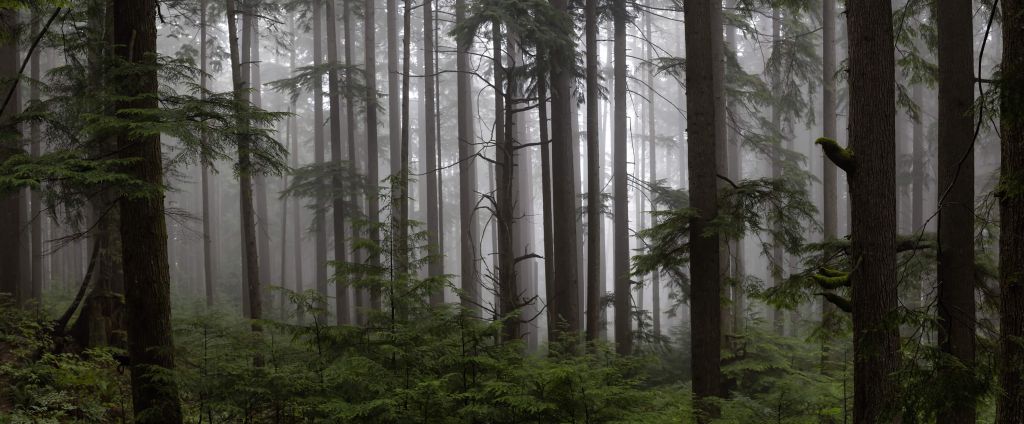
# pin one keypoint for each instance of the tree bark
(208, 264)
(10, 202)
(342, 308)
(319, 157)
(469, 229)
(259, 181)
(372, 146)
(594, 198)
(564, 303)
(873, 201)
(36, 209)
(703, 34)
(623, 280)
(828, 171)
(248, 230)
(143, 230)
(435, 265)
(1010, 404)
(955, 243)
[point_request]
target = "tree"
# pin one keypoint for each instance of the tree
(703, 49)
(623, 281)
(373, 163)
(205, 165)
(564, 301)
(1010, 405)
(319, 156)
(955, 245)
(436, 265)
(143, 230)
(36, 199)
(828, 122)
(245, 169)
(338, 202)
(594, 198)
(259, 181)
(11, 201)
(469, 229)
(871, 178)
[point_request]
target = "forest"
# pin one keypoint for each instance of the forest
(512, 211)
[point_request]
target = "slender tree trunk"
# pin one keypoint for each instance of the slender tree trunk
(10, 202)
(873, 201)
(469, 229)
(246, 210)
(594, 198)
(504, 192)
(623, 280)
(735, 159)
(208, 276)
(1010, 405)
(143, 230)
(546, 201)
(259, 181)
(652, 155)
(372, 160)
(403, 166)
(778, 266)
(435, 266)
(703, 34)
(341, 288)
(956, 284)
(828, 118)
(564, 302)
(35, 212)
(350, 141)
(319, 157)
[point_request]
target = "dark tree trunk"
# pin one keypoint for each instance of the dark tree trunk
(873, 208)
(208, 275)
(956, 284)
(623, 295)
(828, 172)
(436, 265)
(404, 172)
(350, 140)
(469, 230)
(778, 266)
(10, 202)
(703, 32)
(504, 191)
(259, 181)
(564, 302)
(1011, 211)
(35, 212)
(546, 201)
(143, 230)
(341, 288)
(372, 160)
(246, 210)
(319, 157)
(594, 218)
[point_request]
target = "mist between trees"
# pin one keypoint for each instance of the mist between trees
(512, 211)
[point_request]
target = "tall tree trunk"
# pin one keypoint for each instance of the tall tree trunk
(10, 202)
(403, 246)
(703, 48)
(143, 230)
(594, 198)
(564, 302)
(319, 157)
(956, 284)
(469, 229)
(546, 201)
(394, 96)
(372, 160)
(36, 209)
(828, 171)
(778, 266)
(652, 155)
(873, 201)
(246, 210)
(208, 275)
(504, 192)
(338, 201)
(259, 181)
(623, 295)
(350, 140)
(1010, 406)
(436, 265)
(734, 153)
